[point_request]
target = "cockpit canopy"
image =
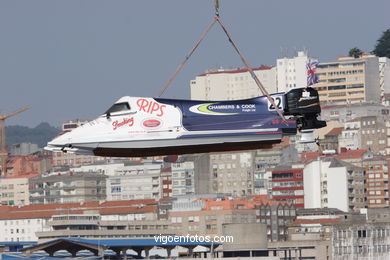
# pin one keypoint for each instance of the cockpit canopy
(118, 108)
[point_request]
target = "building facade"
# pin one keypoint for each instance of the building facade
(232, 173)
(377, 180)
(67, 188)
(349, 80)
(135, 182)
(291, 72)
(183, 178)
(231, 84)
(326, 184)
(15, 191)
(287, 184)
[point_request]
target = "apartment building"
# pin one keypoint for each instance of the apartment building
(15, 190)
(349, 80)
(278, 216)
(232, 173)
(141, 181)
(183, 178)
(231, 84)
(373, 134)
(287, 184)
(264, 161)
(67, 188)
(361, 240)
(333, 183)
(377, 180)
(350, 137)
(326, 184)
(291, 72)
(166, 176)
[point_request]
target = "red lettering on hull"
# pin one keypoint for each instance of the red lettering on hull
(126, 121)
(150, 107)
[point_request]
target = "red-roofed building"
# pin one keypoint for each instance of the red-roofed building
(309, 156)
(352, 156)
(23, 165)
(230, 84)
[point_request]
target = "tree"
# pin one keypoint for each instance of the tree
(355, 52)
(382, 48)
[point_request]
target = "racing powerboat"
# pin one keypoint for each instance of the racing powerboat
(140, 127)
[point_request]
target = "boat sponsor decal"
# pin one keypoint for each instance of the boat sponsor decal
(150, 107)
(126, 121)
(222, 109)
(151, 123)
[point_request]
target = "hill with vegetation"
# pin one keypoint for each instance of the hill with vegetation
(39, 135)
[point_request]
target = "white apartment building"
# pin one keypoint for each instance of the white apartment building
(325, 185)
(291, 72)
(232, 84)
(135, 182)
(22, 228)
(183, 182)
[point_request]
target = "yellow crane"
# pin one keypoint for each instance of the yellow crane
(3, 145)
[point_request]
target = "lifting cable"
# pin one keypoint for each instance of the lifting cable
(248, 67)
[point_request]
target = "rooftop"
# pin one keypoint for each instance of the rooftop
(232, 71)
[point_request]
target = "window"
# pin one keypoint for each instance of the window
(118, 107)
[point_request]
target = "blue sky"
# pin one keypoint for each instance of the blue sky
(73, 59)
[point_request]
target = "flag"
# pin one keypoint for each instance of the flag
(312, 77)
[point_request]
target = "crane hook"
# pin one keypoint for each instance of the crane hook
(216, 5)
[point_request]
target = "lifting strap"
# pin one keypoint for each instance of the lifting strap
(248, 67)
(181, 65)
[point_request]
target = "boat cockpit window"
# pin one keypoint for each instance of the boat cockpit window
(124, 106)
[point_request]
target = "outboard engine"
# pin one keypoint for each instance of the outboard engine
(304, 105)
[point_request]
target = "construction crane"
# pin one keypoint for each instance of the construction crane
(3, 145)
